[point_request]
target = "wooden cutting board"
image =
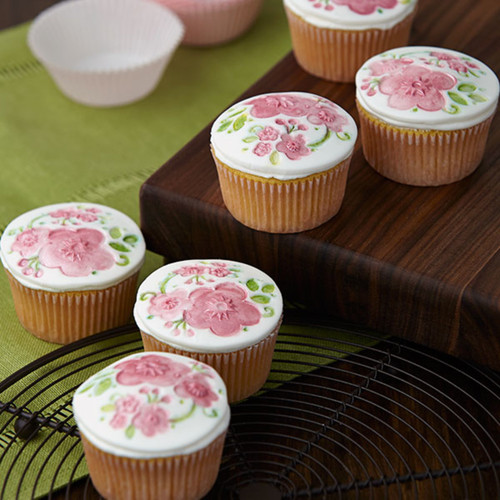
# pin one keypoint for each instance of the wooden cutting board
(418, 263)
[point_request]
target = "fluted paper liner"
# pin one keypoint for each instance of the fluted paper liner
(188, 477)
(283, 206)
(337, 55)
(244, 371)
(63, 317)
(419, 157)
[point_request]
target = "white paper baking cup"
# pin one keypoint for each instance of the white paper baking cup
(105, 52)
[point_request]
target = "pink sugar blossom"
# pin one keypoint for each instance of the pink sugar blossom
(223, 309)
(454, 62)
(293, 146)
(119, 421)
(190, 270)
(268, 134)
(384, 66)
(197, 388)
(76, 252)
(273, 105)
(417, 86)
(128, 404)
(151, 419)
(64, 213)
(168, 306)
(219, 271)
(151, 369)
(262, 149)
(365, 7)
(327, 116)
(30, 241)
(87, 217)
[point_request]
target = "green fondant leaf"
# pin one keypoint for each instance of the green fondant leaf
(239, 122)
(477, 98)
(275, 157)
(268, 312)
(224, 126)
(251, 138)
(268, 288)
(130, 431)
(106, 408)
(102, 386)
(252, 285)
(237, 113)
(131, 239)
(115, 232)
(124, 260)
(466, 87)
(457, 98)
(86, 388)
(260, 299)
(118, 246)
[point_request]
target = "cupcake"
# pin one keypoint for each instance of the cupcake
(212, 22)
(153, 426)
(283, 159)
(333, 38)
(425, 113)
(222, 313)
(72, 269)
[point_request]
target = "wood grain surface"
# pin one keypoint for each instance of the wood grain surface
(419, 263)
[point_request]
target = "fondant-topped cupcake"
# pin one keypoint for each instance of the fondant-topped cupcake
(332, 38)
(68, 248)
(293, 139)
(429, 90)
(224, 313)
(153, 406)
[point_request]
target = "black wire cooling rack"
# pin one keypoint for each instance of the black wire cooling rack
(343, 414)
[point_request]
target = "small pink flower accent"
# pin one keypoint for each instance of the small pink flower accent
(262, 149)
(76, 252)
(128, 404)
(151, 369)
(151, 419)
(168, 306)
(223, 309)
(119, 421)
(64, 213)
(30, 241)
(417, 86)
(272, 105)
(329, 117)
(454, 62)
(294, 147)
(268, 134)
(384, 66)
(219, 271)
(196, 388)
(365, 7)
(190, 270)
(87, 215)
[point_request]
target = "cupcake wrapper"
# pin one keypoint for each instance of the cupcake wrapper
(244, 371)
(211, 23)
(337, 55)
(422, 158)
(183, 476)
(68, 316)
(283, 206)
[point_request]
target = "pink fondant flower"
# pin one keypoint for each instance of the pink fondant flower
(168, 306)
(262, 149)
(128, 404)
(190, 270)
(287, 104)
(151, 419)
(151, 369)
(293, 146)
(197, 388)
(328, 116)
(383, 66)
(76, 252)
(454, 62)
(30, 241)
(223, 309)
(219, 271)
(64, 213)
(365, 7)
(417, 86)
(268, 134)
(86, 216)
(119, 421)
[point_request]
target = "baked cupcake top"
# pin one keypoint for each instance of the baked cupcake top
(352, 14)
(152, 405)
(208, 305)
(283, 135)
(72, 246)
(427, 88)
